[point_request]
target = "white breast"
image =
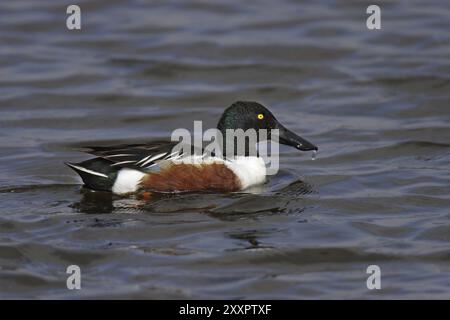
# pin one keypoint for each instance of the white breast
(250, 170)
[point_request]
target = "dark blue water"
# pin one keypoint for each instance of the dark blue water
(377, 103)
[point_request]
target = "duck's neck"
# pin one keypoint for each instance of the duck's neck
(232, 147)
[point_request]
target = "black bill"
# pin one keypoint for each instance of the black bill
(289, 138)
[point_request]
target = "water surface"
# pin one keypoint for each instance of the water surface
(375, 102)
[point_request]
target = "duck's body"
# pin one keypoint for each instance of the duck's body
(194, 173)
(127, 169)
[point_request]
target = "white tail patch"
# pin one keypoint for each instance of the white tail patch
(95, 173)
(127, 181)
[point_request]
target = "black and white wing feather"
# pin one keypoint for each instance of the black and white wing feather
(137, 156)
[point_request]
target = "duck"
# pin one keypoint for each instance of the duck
(155, 167)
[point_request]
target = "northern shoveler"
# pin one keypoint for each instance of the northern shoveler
(154, 167)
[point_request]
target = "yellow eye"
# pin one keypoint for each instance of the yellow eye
(260, 116)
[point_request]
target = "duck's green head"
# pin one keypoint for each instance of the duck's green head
(252, 115)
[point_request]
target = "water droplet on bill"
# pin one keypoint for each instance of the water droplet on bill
(314, 154)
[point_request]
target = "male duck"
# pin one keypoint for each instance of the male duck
(154, 167)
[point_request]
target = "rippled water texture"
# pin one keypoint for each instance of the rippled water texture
(375, 102)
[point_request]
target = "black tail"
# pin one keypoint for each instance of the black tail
(97, 173)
